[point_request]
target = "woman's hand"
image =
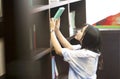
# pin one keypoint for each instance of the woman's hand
(52, 24)
(57, 23)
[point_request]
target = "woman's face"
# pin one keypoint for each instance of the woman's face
(80, 34)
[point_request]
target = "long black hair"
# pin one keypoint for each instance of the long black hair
(92, 41)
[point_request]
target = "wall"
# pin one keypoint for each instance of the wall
(98, 9)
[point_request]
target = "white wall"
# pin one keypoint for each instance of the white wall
(98, 9)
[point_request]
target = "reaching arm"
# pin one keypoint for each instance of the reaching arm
(55, 42)
(65, 43)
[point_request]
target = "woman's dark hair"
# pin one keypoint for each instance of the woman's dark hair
(92, 41)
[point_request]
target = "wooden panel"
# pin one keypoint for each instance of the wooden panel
(111, 54)
(2, 77)
(80, 13)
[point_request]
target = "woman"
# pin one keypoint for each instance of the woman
(83, 57)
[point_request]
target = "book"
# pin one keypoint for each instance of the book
(54, 68)
(0, 8)
(59, 12)
(72, 22)
(34, 36)
(2, 57)
(54, 0)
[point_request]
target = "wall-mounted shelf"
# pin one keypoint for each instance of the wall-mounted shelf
(1, 19)
(38, 8)
(27, 34)
(108, 27)
(39, 53)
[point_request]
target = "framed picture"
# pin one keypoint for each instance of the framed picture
(110, 22)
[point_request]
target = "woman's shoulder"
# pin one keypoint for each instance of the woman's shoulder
(89, 52)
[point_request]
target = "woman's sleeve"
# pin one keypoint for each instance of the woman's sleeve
(75, 47)
(68, 54)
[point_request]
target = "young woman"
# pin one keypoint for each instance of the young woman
(83, 57)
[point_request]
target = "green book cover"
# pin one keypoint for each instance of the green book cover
(59, 12)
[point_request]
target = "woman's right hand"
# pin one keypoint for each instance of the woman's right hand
(52, 24)
(57, 23)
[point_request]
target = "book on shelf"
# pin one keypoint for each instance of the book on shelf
(54, 0)
(72, 22)
(2, 58)
(54, 68)
(0, 8)
(34, 36)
